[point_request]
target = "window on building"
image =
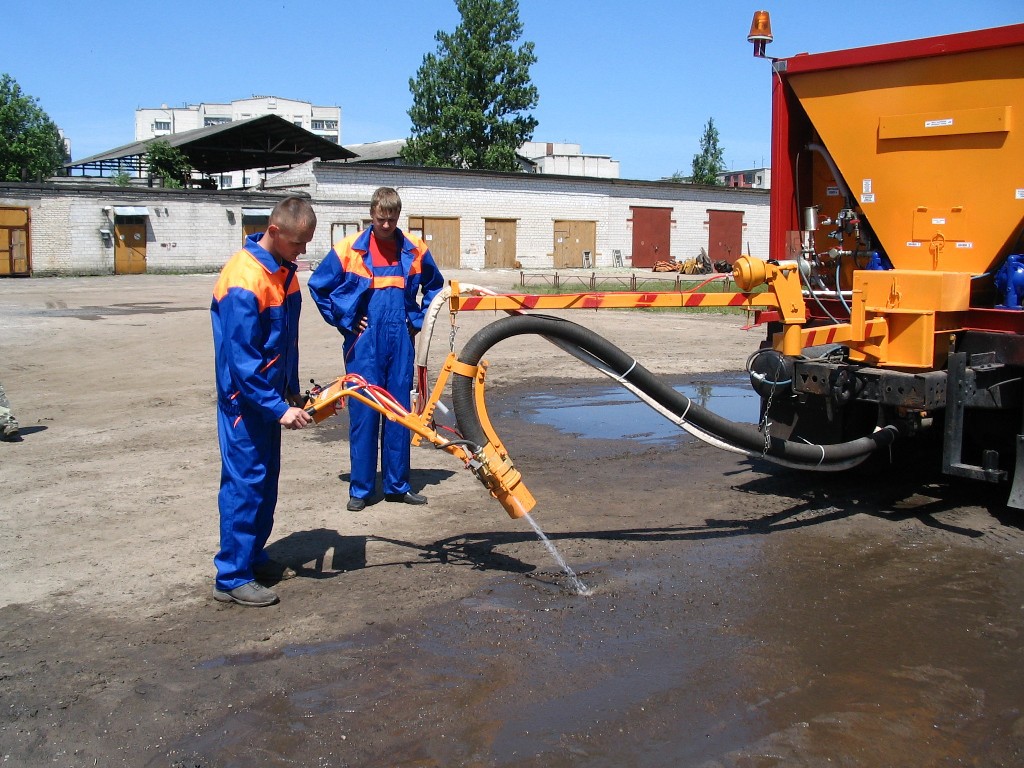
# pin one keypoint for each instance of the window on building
(208, 121)
(297, 122)
(161, 125)
(340, 230)
(325, 125)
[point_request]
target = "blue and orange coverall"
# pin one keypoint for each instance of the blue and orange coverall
(348, 286)
(255, 312)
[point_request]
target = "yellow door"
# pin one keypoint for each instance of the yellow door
(253, 224)
(442, 236)
(19, 251)
(15, 257)
(6, 262)
(130, 245)
(499, 244)
(572, 238)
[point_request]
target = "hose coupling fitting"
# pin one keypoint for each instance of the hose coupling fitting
(503, 480)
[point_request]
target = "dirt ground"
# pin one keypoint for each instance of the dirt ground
(740, 615)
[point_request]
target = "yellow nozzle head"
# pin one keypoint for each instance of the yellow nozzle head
(505, 482)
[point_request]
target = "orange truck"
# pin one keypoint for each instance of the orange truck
(898, 193)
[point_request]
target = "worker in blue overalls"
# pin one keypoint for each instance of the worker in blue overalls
(375, 286)
(255, 313)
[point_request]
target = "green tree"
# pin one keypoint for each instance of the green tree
(31, 148)
(471, 99)
(708, 163)
(168, 163)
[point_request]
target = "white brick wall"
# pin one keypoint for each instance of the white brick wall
(194, 231)
(185, 232)
(536, 201)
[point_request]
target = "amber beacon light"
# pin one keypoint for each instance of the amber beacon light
(760, 32)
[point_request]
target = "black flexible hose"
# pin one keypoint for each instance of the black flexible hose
(740, 435)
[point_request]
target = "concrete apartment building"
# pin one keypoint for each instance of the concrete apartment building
(757, 178)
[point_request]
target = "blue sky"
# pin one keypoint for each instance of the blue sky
(633, 80)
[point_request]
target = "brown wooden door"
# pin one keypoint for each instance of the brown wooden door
(443, 239)
(572, 238)
(725, 235)
(15, 258)
(652, 235)
(130, 245)
(499, 244)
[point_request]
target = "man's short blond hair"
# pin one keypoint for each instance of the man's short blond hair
(293, 214)
(385, 200)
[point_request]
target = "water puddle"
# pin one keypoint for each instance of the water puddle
(61, 309)
(611, 412)
(721, 651)
(287, 652)
(520, 664)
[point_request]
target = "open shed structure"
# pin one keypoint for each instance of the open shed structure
(267, 141)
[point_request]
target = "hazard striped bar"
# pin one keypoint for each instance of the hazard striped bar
(829, 334)
(615, 300)
(840, 334)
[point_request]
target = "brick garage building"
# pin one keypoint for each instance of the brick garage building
(472, 220)
(103, 229)
(479, 219)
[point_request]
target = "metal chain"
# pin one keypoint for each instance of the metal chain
(765, 425)
(451, 334)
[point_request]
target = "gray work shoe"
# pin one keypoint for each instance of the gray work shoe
(272, 570)
(406, 498)
(252, 594)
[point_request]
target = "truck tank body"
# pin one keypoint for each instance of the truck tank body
(898, 189)
(929, 139)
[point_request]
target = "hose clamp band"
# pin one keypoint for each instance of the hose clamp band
(464, 369)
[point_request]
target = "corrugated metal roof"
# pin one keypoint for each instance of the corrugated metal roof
(376, 151)
(267, 141)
